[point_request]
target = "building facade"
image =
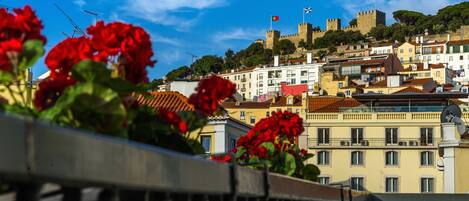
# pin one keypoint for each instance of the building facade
(457, 57)
(243, 80)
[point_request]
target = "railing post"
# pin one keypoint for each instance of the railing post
(233, 178)
(266, 183)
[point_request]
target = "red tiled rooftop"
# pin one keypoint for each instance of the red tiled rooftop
(410, 89)
(282, 101)
(170, 100)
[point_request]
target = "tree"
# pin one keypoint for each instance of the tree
(284, 46)
(338, 37)
(303, 44)
(230, 61)
(353, 22)
(407, 17)
(379, 32)
(321, 54)
(207, 64)
(178, 73)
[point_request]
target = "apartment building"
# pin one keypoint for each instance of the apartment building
(384, 143)
(438, 72)
(397, 83)
(242, 78)
(268, 79)
(372, 70)
(457, 57)
(432, 52)
(406, 53)
(379, 49)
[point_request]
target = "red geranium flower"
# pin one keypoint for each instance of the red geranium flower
(66, 54)
(7, 49)
(29, 24)
(50, 90)
(131, 44)
(210, 92)
(173, 119)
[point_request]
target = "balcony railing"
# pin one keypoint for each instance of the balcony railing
(33, 154)
(373, 143)
(391, 109)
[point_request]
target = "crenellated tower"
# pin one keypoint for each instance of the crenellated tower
(368, 19)
(333, 24)
(272, 37)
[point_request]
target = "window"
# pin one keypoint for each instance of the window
(357, 158)
(347, 92)
(323, 158)
(253, 120)
(341, 84)
(304, 81)
(356, 183)
(304, 73)
(206, 142)
(357, 135)
(410, 49)
(242, 115)
(426, 158)
(426, 185)
(391, 135)
(461, 57)
(426, 136)
(438, 74)
(323, 136)
(324, 180)
(450, 58)
(232, 143)
(293, 81)
(267, 114)
(392, 158)
(401, 50)
(392, 185)
(437, 57)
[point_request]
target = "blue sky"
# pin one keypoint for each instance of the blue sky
(204, 27)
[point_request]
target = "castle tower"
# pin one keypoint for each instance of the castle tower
(305, 32)
(333, 24)
(368, 19)
(272, 37)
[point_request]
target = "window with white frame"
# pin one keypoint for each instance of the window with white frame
(323, 136)
(356, 183)
(324, 180)
(426, 136)
(391, 135)
(323, 158)
(392, 158)
(357, 158)
(357, 135)
(242, 115)
(427, 185)
(206, 142)
(392, 185)
(253, 120)
(426, 158)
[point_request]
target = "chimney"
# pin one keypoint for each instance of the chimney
(425, 65)
(417, 40)
(276, 61)
(421, 39)
(426, 32)
(232, 70)
(309, 58)
(448, 38)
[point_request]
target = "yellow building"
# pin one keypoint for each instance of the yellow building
(406, 53)
(383, 143)
(437, 72)
(218, 136)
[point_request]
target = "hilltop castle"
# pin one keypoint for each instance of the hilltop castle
(365, 22)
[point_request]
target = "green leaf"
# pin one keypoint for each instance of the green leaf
(91, 71)
(310, 172)
(240, 152)
(270, 147)
(193, 119)
(289, 164)
(32, 51)
(89, 106)
(5, 77)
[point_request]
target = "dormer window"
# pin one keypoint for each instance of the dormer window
(290, 100)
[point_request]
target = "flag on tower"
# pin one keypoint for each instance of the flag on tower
(308, 10)
(275, 18)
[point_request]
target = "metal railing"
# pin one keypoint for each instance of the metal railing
(34, 153)
(373, 143)
(391, 109)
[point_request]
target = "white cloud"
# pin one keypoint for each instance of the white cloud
(169, 56)
(166, 40)
(389, 6)
(79, 3)
(238, 34)
(167, 12)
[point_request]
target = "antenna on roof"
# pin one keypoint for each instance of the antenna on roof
(95, 14)
(65, 34)
(192, 55)
(76, 28)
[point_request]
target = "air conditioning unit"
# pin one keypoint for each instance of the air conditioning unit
(365, 143)
(413, 143)
(439, 90)
(465, 89)
(344, 143)
(402, 143)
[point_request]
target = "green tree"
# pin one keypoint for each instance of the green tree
(284, 46)
(353, 22)
(230, 60)
(338, 37)
(321, 54)
(303, 44)
(379, 32)
(178, 73)
(207, 64)
(407, 17)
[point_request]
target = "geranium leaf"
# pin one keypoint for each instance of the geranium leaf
(270, 147)
(91, 71)
(193, 119)
(310, 172)
(5, 77)
(32, 51)
(240, 151)
(290, 164)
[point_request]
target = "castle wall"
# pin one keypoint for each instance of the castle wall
(369, 19)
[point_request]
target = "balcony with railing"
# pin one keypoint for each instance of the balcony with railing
(348, 143)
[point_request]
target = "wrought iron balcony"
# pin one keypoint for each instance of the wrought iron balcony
(404, 143)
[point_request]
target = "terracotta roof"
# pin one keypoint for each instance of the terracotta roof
(335, 107)
(364, 62)
(420, 67)
(170, 100)
(247, 105)
(316, 103)
(282, 101)
(412, 82)
(459, 42)
(410, 89)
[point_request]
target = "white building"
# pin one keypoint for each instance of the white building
(267, 79)
(383, 49)
(432, 52)
(457, 57)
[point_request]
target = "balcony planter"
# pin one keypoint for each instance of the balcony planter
(32, 151)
